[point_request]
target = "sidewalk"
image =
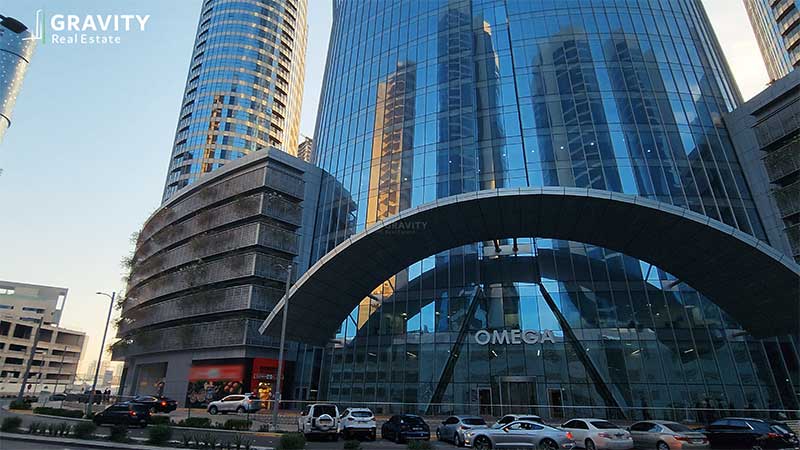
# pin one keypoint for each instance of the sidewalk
(138, 445)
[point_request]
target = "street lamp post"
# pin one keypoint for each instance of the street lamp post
(102, 349)
(277, 396)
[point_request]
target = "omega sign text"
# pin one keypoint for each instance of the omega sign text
(505, 337)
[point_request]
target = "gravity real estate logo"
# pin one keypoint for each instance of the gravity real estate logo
(87, 29)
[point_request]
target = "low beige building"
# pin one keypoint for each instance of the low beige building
(58, 350)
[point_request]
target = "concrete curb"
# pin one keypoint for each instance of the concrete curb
(139, 445)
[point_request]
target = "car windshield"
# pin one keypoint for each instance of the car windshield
(603, 425)
(780, 428)
(676, 427)
(324, 409)
(474, 421)
(361, 414)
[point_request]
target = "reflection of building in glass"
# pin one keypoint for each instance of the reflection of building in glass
(304, 149)
(766, 130)
(16, 49)
(244, 88)
(775, 24)
(530, 94)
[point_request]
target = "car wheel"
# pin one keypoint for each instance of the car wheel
(548, 444)
(590, 445)
(372, 435)
(438, 435)
(457, 441)
(240, 410)
(662, 446)
(213, 410)
(482, 443)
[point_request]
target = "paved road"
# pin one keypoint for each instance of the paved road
(19, 445)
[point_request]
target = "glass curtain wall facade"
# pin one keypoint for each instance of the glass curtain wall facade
(425, 100)
(775, 23)
(245, 86)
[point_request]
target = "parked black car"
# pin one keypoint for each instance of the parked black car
(736, 432)
(404, 427)
(125, 413)
(57, 397)
(96, 399)
(156, 404)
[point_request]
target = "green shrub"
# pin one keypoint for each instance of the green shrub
(60, 412)
(84, 430)
(239, 441)
(118, 433)
(24, 404)
(63, 429)
(210, 440)
(159, 434)
(160, 420)
(34, 427)
(419, 445)
(237, 424)
(11, 424)
(195, 422)
(292, 441)
(51, 429)
(352, 445)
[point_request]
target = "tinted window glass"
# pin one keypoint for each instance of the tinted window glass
(780, 428)
(603, 425)
(475, 421)
(361, 414)
(532, 419)
(412, 420)
(678, 428)
(324, 409)
(738, 424)
(641, 426)
(506, 419)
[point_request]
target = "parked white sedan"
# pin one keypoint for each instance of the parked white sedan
(598, 434)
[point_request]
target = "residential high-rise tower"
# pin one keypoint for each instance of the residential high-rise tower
(777, 32)
(245, 86)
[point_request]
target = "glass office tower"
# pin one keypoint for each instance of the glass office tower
(776, 26)
(245, 86)
(425, 100)
(16, 49)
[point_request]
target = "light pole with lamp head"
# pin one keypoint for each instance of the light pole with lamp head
(277, 395)
(102, 349)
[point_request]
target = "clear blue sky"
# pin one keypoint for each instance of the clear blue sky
(85, 159)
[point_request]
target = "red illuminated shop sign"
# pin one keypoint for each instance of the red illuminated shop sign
(217, 373)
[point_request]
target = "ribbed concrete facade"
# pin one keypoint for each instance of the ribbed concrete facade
(208, 265)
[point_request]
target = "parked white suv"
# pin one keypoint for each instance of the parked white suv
(319, 419)
(357, 421)
(240, 403)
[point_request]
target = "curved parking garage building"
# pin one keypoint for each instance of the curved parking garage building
(426, 101)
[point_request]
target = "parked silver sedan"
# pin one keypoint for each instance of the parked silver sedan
(520, 434)
(664, 435)
(454, 428)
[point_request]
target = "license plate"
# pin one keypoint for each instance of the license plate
(417, 429)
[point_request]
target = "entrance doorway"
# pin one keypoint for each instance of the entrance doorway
(485, 401)
(517, 395)
(556, 403)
